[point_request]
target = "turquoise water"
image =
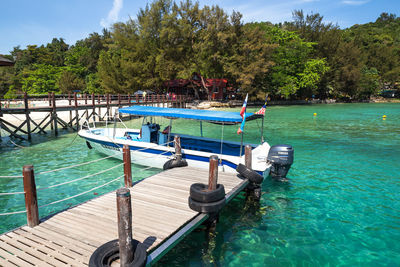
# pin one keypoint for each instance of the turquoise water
(340, 207)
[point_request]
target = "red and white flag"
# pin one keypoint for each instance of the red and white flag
(243, 115)
(262, 109)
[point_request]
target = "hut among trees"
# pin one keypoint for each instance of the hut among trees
(200, 87)
(6, 62)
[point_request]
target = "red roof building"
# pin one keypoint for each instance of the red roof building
(211, 89)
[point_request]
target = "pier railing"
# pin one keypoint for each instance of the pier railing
(79, 106)
(30, 190)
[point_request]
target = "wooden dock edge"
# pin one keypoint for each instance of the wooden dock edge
(158, 252)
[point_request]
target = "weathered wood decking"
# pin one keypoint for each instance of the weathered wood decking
(159, 209)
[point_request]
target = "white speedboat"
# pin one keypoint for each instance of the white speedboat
(153, 147)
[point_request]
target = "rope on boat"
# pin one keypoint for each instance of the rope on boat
(11, 213)
(76, 165)
(78, 179)
(80, 194)
(11, 193)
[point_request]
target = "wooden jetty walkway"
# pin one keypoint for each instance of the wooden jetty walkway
(90, 106)
(161, 217)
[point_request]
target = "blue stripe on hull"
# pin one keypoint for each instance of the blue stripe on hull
(157, 152)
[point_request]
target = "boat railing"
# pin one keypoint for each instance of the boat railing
(115, 119)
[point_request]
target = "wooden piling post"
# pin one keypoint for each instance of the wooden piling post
(124, 211)
(127, 166)
(32, 212)
(53, 96)
(76, 111)
(86, 107)
(247, 156)
(70, 111)
(178, 148)
(98, 102)
(129, 104)
(255, 189)
(108, 106)
(213, 173)
(93, 107)
(28, 120)
(49, 98)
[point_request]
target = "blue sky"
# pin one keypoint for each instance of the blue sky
(24, 22)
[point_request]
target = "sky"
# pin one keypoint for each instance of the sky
(37, 22)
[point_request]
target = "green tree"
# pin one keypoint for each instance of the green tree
(40, 79)
(369, 82)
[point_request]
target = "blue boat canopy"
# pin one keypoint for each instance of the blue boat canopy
(192, 114)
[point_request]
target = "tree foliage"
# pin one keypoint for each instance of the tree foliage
(169, 40)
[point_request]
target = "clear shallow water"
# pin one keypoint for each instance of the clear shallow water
(340, 208)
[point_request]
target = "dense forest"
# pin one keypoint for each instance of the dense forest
(294, 60)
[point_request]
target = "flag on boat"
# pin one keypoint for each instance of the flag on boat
(262, 109)
(243, 115)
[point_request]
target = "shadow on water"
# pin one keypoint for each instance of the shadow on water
(243, 224)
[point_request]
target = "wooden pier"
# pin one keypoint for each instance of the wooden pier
(80, 108)
(161, 217)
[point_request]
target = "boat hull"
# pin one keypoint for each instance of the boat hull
(153, 155)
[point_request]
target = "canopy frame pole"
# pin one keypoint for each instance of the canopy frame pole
(115, 124)
(201, 128)
(222, 141)
(169, 132)
(262, 130)
(241, 144)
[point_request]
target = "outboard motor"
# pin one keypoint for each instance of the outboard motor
(281, 158)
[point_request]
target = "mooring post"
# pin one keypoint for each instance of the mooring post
(178, 148)
(211, 222)
(32, 212)
(127, 166)
(253, 189)
(124, 210)
(28, 120)
(213, 173)
(53, 96)
(247, 156)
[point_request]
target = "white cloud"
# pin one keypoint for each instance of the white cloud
(112, 16)
(354, 2)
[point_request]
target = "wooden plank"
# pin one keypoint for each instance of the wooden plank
(159, 209)
(43, 256)
(4, 262)
(15, 255)
(51, 248)
(62, 240)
